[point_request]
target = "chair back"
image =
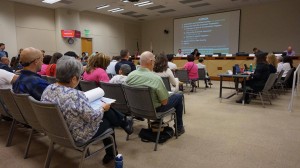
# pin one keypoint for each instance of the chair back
(22, 100)
(87, 85)
(167, 83)
(182, 75)
(280, 75)
(53, 123)
(270, 82)
(288, 75)
(9, 102)
(115, 91)
(51, 79)
(3, 110)
(201, 74)
(44, 77)
(140, 102)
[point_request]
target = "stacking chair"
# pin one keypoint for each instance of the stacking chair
(115, 91)
(201, 75)
(87, 85)
(53, 123)
(9, 102)
(166, 83)
(51, 79)
(183, 76)
(141, 105)
(26, 109)
(110, 75)
(45, 77)
(3, 111)
(266, 90)
(168, 87)
(283, 83)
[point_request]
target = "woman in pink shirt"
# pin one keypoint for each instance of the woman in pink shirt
(192, 69)
(95, 69)
(46, 61)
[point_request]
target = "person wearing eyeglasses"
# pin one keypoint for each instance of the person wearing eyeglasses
(29, 81)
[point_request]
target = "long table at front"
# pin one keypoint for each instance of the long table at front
(219, 65)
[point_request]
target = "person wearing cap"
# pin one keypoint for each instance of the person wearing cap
(29, 81)
(123, 72)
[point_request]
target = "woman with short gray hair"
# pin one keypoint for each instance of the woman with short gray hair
(83, 121)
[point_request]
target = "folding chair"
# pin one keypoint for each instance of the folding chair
(182, 75)
(141, 105)
(201, 75)
(53, 123)
(26, 110)
(87, 85)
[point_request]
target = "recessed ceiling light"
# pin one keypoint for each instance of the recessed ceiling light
(50, 1)
(115, 10)
(102, 6)
(140, 4)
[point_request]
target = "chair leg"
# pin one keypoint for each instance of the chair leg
(49, 155)
(262, 100)
(183, 103)
(11, 133)
(158, 134)
(85, 153)
(176, 126)
(28, 144)
(269, 98)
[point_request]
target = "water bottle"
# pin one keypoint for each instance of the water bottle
(251, 68)
(119, 161)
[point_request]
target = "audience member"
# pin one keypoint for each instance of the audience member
(256, 51)
(72, 54)
(279, 63)
(286, 66)
(124, 60)
(7, 79)
(84, 60)
(162, 70)
(195, 53)
(192, 70)
(111, 67)
(123, 72)
(179, 54)
(171, 65)
(258, 79)
(29, 81)
(2, 52)
(84, 122)
(51, 68)
(95, 69)
(46, 62)
(202, 65)
(290, 51)
(271, 59)
(43, 52)
(4, 64)
(160, 96)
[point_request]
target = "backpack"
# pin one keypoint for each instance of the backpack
(147, 135)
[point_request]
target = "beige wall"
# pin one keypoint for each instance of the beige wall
(31, 26)
(8, 28)
(270, 27)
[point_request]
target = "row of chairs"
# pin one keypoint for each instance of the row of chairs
(274, 86)
(183, 76)
(44, 118)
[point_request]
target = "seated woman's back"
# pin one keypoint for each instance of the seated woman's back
(191, 67)
(95, 69)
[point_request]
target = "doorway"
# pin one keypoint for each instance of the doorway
(87, 45)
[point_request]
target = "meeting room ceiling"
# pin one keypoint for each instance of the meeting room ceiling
(156, 8)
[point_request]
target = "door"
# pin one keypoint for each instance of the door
(87, 45)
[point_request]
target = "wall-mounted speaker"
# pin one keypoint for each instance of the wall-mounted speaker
(166, 31)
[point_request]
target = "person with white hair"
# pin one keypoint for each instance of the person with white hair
(144, 76)
(83, 121)
(279, 63)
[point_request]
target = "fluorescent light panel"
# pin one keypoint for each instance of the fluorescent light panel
(50, 1)
(143, 3)
(115, 10)
(102, 6)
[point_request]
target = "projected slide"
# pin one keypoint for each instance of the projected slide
(213, 33)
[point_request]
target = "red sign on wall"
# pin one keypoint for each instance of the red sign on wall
(70, 33)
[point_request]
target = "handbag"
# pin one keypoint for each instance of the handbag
(147, 135)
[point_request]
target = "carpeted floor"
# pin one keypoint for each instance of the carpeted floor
(218, 135)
